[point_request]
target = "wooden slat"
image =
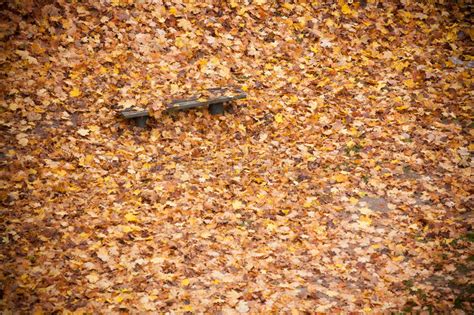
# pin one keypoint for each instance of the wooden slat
(194, 102)
(191, 102)
(129, 114)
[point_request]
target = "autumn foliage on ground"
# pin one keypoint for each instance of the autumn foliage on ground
(340, 184)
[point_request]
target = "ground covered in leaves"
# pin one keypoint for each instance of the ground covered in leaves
(340, 184)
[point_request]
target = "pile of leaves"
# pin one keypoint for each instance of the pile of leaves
(341, 184)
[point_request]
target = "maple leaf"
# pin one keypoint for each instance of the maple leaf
(242, 307)
(353, 200)
(237, 204)
(365, 221)
(93, 277)
(22, 139)
(340, 178)
(185, 24)
(173, 11)
(103, 254)
(409, 83)
(279, 118)
(346, 9)
(325, 43)
(75, 92)
(83, 132)
(187, 308)
(130, 217)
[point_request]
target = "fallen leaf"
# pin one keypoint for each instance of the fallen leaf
(83, 132)
(237, 204)
(130, 217)
(75, 92)
(346, 9)
(340, 178)
(279, 118)
(242, 307)
(365, 221)
(92, 278)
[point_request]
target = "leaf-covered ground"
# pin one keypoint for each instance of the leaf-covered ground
(341, 184)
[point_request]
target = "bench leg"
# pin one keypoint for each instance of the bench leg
(216, 109)
(141, 121)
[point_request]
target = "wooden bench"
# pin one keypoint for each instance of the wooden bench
(140, 116)
(214, 98)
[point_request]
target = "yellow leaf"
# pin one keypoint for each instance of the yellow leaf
(233, 4)
(279, 118)
(346, 9)
(118, 299)
(237, 204)
(365, 221)
(94, 128)
(245, 88)
(287, 5)
(173, 11)
(314, 49)
(409, 83)
(13, 106)
(271, 227)
(353, 201)
(340, 178)
(185, 282)
(399, 66)
(293, 99)
(130, 217)
(350, 144)
(188, 308)
(127, 229)
(75, 92)
(88, 159)
(310, 201)
(400, 108)
(452, 36)
(179, 42)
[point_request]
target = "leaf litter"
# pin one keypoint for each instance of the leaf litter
(341, 184)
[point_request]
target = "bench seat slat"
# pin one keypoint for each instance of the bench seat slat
(190, 103)
(134, 114)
